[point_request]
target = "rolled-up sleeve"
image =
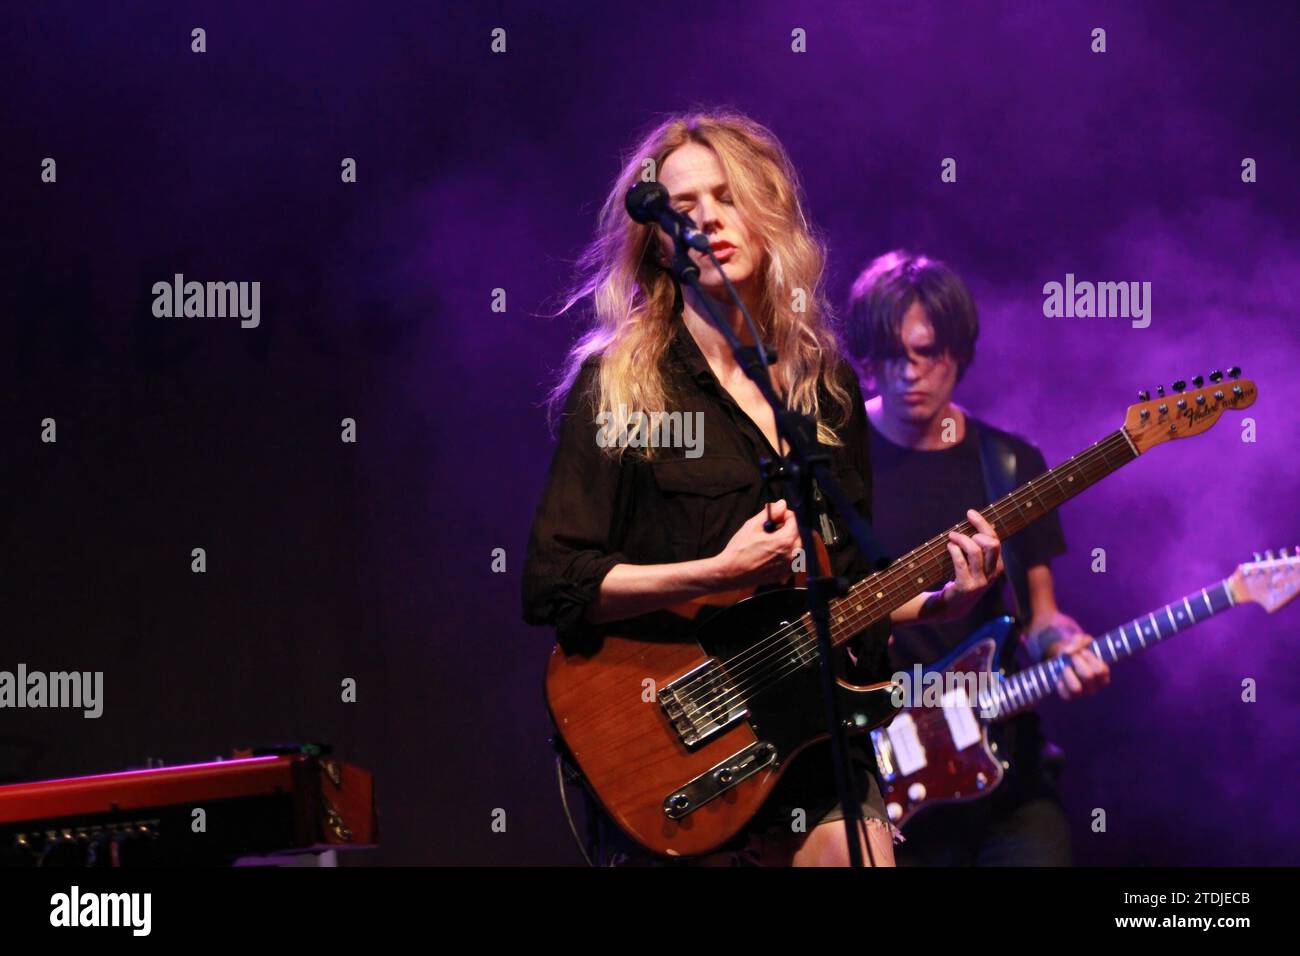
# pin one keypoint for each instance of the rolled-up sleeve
(570, 549)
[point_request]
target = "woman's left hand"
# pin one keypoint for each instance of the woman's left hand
(976, 562)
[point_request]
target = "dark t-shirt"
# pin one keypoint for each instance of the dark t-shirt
(938, 486)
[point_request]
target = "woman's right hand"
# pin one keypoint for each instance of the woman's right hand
(754, 556)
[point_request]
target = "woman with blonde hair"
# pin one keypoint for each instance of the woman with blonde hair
(637, 517)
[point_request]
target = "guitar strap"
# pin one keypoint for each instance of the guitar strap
(998, 462)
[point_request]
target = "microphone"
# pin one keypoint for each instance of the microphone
(648, 202)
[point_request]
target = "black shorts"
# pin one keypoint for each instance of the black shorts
(803, 799)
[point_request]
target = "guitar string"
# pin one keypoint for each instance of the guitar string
(940, 564)
(1082, 460)
(776, 644)
(1024, 689)
(1001, 693)
(1030, 692)
(1100, 450)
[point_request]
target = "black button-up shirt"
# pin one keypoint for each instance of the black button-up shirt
(598, 511)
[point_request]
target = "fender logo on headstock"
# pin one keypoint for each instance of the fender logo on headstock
(1194, 413)
(1154, 420)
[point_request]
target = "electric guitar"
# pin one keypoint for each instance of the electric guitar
(683, 721)
(938, 750)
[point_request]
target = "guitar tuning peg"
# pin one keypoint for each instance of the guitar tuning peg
(1198, 381)
(1144, 396)
(1258, 558)
(1179, 385)
(1160, 391)
(1268, 555)
(1234, 372)
(1216, 376)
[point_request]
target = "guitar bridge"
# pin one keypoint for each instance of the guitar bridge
(719, 779)
(701, 703)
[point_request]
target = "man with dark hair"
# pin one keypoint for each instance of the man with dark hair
(911, 332)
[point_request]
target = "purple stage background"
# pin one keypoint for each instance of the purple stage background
(479, 171)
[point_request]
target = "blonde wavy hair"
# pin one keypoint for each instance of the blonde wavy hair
(632, 292)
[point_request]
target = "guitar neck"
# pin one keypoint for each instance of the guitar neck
(1024, 689)
(929, 566)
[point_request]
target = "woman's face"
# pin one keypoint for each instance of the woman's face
(698, 187)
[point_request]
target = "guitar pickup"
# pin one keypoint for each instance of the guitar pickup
(905, 745)
(718, 779)
(701, 702)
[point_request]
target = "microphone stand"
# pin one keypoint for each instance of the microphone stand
(807, 460)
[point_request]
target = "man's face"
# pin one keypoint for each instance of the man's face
(697, 187)
(916, 386)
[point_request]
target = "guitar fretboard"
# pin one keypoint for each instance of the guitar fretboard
(1024, 689)
(929, 566)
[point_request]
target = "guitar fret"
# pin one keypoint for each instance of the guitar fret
(1022, 690)
(895, 585)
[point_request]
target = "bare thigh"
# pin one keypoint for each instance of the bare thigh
(826, 845)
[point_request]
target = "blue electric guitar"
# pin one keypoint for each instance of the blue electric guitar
(937, 748)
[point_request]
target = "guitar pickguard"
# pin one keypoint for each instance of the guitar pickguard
(930, 755)
(761, 669)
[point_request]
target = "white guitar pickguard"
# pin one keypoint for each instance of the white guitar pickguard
(959, 714)
(909, 754)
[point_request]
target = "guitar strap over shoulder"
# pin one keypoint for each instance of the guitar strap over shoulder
(998, 463)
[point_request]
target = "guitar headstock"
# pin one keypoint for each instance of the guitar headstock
(1184, 413)
(1268, 581)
